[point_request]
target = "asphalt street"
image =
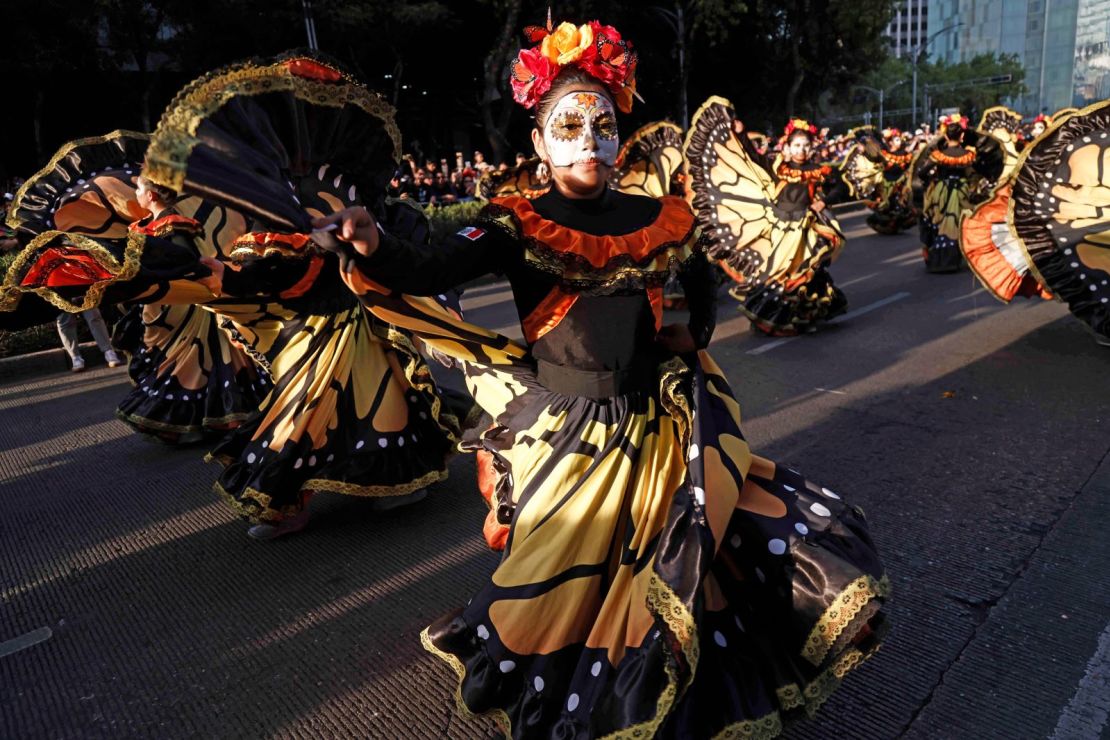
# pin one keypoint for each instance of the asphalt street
(975, 436)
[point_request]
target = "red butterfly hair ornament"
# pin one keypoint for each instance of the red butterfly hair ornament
(597, 50)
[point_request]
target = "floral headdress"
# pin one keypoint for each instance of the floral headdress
(890, 133)
(1042, 118)
(799, 124)
(597, 50)
(955, 118)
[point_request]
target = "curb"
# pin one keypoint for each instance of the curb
(47, 361)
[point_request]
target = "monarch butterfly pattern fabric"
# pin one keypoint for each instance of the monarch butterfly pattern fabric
(1058, 212)
(189, 379)
(528, 179)
(994, 253)
(651, 162)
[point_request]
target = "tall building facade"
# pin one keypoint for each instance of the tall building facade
(909, 28)
(1091, 75)
(1063, 45)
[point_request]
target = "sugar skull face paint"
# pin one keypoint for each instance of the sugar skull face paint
(798, 148)
(582, 127)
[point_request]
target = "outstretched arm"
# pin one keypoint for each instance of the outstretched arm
(417, 269)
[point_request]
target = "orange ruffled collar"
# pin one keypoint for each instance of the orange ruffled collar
(899, 159)
(673, 227)
(797, 174)
(961, 161)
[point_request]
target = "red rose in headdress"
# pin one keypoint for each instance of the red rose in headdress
(532, 74)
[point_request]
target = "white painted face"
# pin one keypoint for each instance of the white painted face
(1038, 128)
(798, 148)
(582, 127)
(895, 143)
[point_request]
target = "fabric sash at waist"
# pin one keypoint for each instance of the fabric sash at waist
(595, 384)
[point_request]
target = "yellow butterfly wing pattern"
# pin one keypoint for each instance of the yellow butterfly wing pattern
(1004, 125)
(862, 175)
(731, 194)
(528, 180)
(651, 161)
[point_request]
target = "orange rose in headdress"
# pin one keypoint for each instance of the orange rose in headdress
(567, 43)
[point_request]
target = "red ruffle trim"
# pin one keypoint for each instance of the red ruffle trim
(166, 225)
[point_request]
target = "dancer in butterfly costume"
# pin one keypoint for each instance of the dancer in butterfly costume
(769, 227)
(264, 146)
(947, 166)
(658, 579)
(190, 380)
(878, 172)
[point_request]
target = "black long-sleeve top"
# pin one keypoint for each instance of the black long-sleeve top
(610, 331)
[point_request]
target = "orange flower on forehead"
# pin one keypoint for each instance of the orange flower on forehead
(597, 50)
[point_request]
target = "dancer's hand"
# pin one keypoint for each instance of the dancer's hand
(818, 206)
(676, 338)
(215, 281)
(354, 225)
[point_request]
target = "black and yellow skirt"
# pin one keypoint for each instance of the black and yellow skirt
(803, 294)
(190, 381)
(893, 212)
(657, 578)
(353, 410)
(945, 200)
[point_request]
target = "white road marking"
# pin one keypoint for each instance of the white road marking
(850, 315)
(1087, 712)
(827, 390)
(34, 637)
(860, 279)
(913, 256)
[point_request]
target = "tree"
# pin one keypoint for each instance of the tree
(50, 41)
(135, 32)
(974, 85)
(495, 80)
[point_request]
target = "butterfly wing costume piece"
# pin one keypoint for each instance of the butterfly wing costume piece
(528, 179)
(1059, 212)
(189, 379)
(651, 161)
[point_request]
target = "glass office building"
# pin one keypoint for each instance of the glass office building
(1062, 44)
(1091, 75)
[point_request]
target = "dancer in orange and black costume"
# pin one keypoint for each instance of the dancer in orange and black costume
(658, 579)
(948, 172)
(771, 230)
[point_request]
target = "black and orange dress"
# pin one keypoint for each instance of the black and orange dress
(892, 202)
(190, 379)
(764, 234)
(352, 408)
(948, 172)
(657, 579)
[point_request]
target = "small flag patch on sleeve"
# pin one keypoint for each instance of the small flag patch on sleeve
(473, 233)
